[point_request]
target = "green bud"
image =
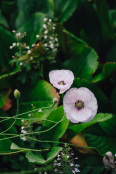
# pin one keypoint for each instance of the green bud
(16, 94)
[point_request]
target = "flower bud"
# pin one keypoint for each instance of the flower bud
(108, 161)
(16, 94)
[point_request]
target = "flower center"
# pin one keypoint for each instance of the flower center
(61, 83)
(79, 104)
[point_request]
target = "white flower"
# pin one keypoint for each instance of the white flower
(45, 19)
(18, 34)
(37, 35)
(21, 63)
(45, 45)
(50, 20)
(44, 26)
(13, 31)
(27, 47)
(51, 45)
(39, 110)
(14, 44)
(61, 79)
(29, 51)
(31, 58)
(80, 105)
(56, 39)
(46, 31)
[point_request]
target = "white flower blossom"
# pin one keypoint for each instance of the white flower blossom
(61, 79)
(45, 19)
(80, 105)
(29, 51)
(44, 26)
(37, 35)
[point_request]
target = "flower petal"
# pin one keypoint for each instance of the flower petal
(57, 76)
(81, 115)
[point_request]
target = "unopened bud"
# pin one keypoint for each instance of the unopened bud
(16, 94)
(108, 160)
(55, 100)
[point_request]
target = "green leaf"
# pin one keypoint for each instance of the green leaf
(113, 100)
(103, 103)
(112, 16)
(39, 159)
(6, 40)
(107, 30)
(29, 7)
(109, 126)
(64, 9)
(85, 58)
(33, 27)
(40, 95)
(98, 118)
(108, 69)
(3, 20)
(90, 163)
(15, 147)
(5, 144)
(59, 127)
(1, 102)
(102, 137)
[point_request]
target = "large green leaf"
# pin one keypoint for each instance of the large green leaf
(55, 130)
(113, 100)
(82, 60)
(27, 8)
(105, 22)
(103, 103)
(39, 95)
(39, 159)
(3, 20)
(6, 39)
(108, 69)
(102, 137)
(64, 9)
(90, 164)
(98, 118)
(109, 126)
(5, 144)
(33, 27)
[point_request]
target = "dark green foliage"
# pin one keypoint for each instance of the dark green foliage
(84, 33)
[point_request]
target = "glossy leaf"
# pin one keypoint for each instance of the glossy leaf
(98, 118)
(108, 69)
(27, 8)
(39, 159)
(6, 40)
(102, 141)
(82, 60)
(58, 124)
(64, 9)
(39, 95)
(33, 27)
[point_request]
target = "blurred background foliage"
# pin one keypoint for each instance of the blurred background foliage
(86, 30)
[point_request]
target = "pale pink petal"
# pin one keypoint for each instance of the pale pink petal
(90, 105)
(66, 76)
(75, 94)
(81, 115)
